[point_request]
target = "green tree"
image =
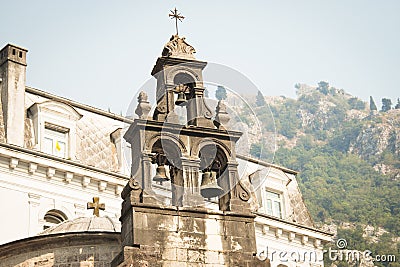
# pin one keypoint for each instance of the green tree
(356, 103)
(258, 151)
(386, 104)
(323, 87)
(372, 105)
(260, 100)
(220, 94)
(398, 104)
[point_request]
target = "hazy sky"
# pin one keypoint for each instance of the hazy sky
(101, 52)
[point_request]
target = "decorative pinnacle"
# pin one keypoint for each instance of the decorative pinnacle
(177, 16)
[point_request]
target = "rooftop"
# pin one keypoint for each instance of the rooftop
(84, 224)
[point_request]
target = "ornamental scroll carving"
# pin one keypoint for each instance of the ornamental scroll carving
(243, 192)
(178, 47)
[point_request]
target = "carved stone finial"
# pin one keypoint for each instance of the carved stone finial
(143, 108)
(222, 118)
(179, 48)
(142, 97)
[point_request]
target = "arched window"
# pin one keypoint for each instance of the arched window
(53, 217)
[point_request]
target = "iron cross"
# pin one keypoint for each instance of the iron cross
(96, 206)
(177, 16)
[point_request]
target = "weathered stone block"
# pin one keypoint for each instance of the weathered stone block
(212, 227)
(181, 254)
(215, 242)
(173, 264)
(211, 257)
(169, 254)
(196, 256)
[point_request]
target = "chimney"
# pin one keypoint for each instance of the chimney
(12, 86)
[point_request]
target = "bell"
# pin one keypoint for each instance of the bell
(161, 175)
(209, 187)
(181, 99)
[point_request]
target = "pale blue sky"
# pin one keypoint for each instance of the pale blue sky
(100, 52)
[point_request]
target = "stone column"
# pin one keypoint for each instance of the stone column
(176, 186)
(36, 223)
(171, 116)
(79, 210)
(198, 113)
(237, 198)
(191, 184)
(146, 178)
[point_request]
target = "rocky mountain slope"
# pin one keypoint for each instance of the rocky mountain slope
(348, 155)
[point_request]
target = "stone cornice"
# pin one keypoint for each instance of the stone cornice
(179, 129)
(279, 228)
(31, 160)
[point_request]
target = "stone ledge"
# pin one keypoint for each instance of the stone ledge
(197, 212)
(31, 162)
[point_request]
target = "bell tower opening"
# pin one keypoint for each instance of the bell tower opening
(213, 163)
(184, 85)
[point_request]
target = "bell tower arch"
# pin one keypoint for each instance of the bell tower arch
(178, 73)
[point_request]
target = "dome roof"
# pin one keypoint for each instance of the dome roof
(84, 224)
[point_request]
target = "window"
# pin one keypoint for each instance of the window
(55, 140)
(49, 136)
(53, 217)
(271, 203)
(274, 204)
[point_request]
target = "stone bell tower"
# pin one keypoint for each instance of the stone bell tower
(198, 159)
(178, 66)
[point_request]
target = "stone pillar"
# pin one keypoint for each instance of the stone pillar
(80, 210)
(237, 198)
(191, 193)
(198, 113)
(146, 178)
(176, 186)
(36, 223)
(222, 118)
(12, 87)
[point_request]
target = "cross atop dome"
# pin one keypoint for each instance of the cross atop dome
(96, 206)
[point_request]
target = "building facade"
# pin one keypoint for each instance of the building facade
(56, 154)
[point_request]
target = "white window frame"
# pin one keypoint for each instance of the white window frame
(272, 202)
(56, 116)
(57, 135)
(263, 202)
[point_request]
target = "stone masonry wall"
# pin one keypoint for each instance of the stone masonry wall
(171, 236)
(64, 252)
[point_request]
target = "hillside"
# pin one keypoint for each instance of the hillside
(348, 155)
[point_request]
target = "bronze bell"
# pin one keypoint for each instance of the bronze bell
(209, 187)
(181, 99)
(161, 175)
